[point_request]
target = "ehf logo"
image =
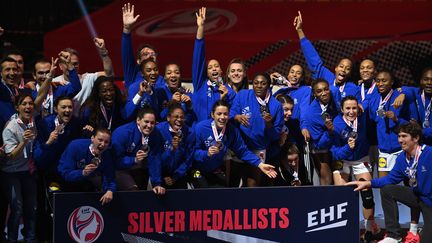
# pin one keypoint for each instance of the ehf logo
(182, 23)
(85, 224)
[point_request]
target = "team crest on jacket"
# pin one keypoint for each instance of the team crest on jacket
(246, 111)
(85, 224)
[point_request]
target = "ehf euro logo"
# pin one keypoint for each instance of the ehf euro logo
(182, 23)
(85, 224)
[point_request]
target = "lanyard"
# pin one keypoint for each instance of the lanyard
(323, 108)
(177, 133)
(59, 127)
(104, 113)
(383, 102)
(341, 88)
(412, 169)
(370, 90)
(353, 125)
(428, 109)
(218, 136)
(29, 125)
(265, 101)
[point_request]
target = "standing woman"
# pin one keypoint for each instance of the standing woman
(317, 120)
(212, 139)
(104, 107)
(387, 119)
(260, 118)
(339, 79)
(18, 172)
(351, 154)
(207, 80)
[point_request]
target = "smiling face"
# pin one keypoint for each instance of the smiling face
(42, 69)
(20, 61)
(220, 116)
(350, 110)
(343, 70)
(367, 70)
(261, 85)
(407, 142)
(9, 72)
(147, 123)
(321, 92)
(172, 76)
(25, 109)
(295, 74)
(176, 119)
(150, 72)
(288, 110)
(214, 70)
(147, 53)
(100, 142)
(236, 73)
(107, 93)
(384, 82)
(64, 109)
(426, 82)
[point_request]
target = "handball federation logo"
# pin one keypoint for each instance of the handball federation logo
(182, 23)
(85, 224)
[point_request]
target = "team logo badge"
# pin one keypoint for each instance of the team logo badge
(85, 224)
(182, 23)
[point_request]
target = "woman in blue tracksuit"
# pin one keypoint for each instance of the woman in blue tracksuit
(173, 91)
(177, 147)
(387, 119)
(105, 107)
(144, 92)
(300, 95)
(137, 147)
(212, 139)
(338, 79)
(316, 121)
(206, 80)
(350, 153)
(131, 69)
(84, 160)
(421, 105)
(413, 164)
(260, 119)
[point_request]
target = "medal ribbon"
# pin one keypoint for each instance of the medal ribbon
(383, 102)
(353, 125)
(413, 167)
(265, 101)
(218, 136)
(428, 109)
(104, 113)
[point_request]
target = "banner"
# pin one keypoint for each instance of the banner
(272, 214)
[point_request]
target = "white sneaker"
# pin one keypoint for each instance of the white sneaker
(390, 240)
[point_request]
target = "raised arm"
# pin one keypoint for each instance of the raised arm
(298, 24)
(45, 85)
(106, 60)
(199, 71)
(130, 67)
(200, 18)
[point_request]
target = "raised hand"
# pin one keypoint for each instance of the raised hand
(128, 17)
(298, 21)
(200, 16)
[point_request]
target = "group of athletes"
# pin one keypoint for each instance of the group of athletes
(79, 132)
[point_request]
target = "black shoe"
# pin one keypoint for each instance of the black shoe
(368, 237)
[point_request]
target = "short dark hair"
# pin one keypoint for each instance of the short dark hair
(220, 103)
(101, 130)
(285, 99)
(142, 46)
(42, 60)
(346, 98)
(317, 81)
(146, 109)
(6, 59)
(13, 52)
(144, 62)
(174, 105)
(60, 98)
(412, 128)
